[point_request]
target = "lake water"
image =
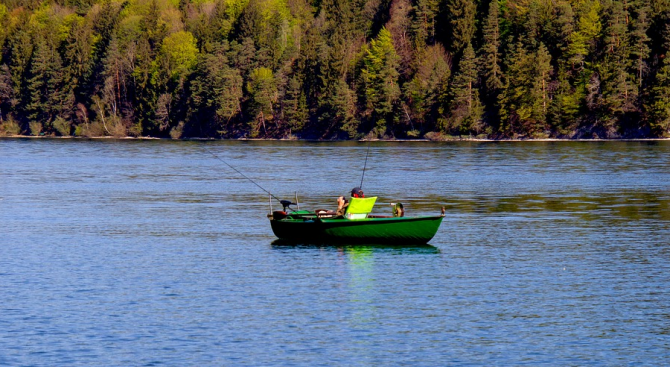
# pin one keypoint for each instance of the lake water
(149, 253)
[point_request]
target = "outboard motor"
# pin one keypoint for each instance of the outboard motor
(287, 204)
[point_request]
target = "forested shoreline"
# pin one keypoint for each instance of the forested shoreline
(328, 69)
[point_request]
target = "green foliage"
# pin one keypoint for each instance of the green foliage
(179, 51)
(640, 44)
(45, 96)
(525, 98)
(295, 106)
(35, 128)
(262, 89)
(4, 15)
(490, 59)
(427, 88)
(564, 109)
(62, 126)
(465, 107)
(659, 104)
(10, 127)
(583, 40)
(216, 91)
(380, 78)
(334, 69)
(340, 110)
(461, 22)
(424, 22)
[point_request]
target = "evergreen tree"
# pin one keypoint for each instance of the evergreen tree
(339, 112)
(6, 92)
(3, 20)
(77, 53)
(153, 27)
(36, 86)
(294, 106)
(566, 105)
(659, 106)
(466, 109)
(462, 22)
(262, 90)
(424, 19)
(45, 99)
(490, 59)
(380, 80)
(640, 44)
(540, 92)
(426, 91)
(583, 40)
(618, 90)
(216, 93)
(336, 69)
(20, 49)
(562, 27)
(524, 101)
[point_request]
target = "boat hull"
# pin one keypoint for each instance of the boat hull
(404, 230)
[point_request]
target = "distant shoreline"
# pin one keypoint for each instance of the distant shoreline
(326, 140)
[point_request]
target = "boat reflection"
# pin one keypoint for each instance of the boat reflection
(358, 248)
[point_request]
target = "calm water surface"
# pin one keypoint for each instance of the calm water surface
(148, 253)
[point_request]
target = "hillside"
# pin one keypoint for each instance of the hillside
(334, 69)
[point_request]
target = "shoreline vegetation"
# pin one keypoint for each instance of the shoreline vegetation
(330, 70)
(394, 140)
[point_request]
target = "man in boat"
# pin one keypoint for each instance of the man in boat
(342, 205)
(356, 192)
(398, 210)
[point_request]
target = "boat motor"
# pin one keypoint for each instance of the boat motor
(286, 204)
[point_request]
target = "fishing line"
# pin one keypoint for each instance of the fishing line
(242, 174)
(366, 164)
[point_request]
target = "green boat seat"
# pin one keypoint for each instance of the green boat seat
(359, 208)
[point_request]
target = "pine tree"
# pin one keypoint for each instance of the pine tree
(659, 105)
(466, 109)
(44, 85)
(216, 92)
(525, 99)
(380, 80)
(3, 20)
(562, 26)
(640, 44)
(423, 94)
(461, 22)
(153, 28)
(262, 89)
(6, 91)
(490, 58)
(618, 90)
(77, 56)
(36, 83)
(540, 92)
(20, 49)
(566, 105)
(583, 40)
(294, 106)
(423, 24)
(339, 112)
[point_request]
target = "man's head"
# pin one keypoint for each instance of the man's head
(357, 193)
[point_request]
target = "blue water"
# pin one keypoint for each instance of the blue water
(149, 253)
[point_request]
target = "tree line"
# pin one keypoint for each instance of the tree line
(335, 69)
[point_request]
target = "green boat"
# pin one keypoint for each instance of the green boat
(357, 225)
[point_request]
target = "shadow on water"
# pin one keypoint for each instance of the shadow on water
(365, 247)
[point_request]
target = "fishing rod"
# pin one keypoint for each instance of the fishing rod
(284, 203)
(364, 166)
